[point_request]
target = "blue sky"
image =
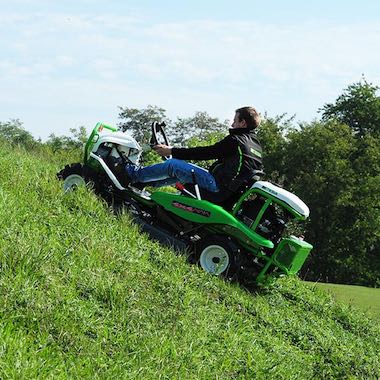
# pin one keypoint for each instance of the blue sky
(64, 64)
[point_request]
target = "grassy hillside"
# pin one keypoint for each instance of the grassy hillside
(367, 299)
(83, 294)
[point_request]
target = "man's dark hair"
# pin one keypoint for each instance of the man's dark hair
(250, 115)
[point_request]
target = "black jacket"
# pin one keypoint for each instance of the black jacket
(238, 154)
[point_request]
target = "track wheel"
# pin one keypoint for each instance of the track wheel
(73, 176)
(217, 255)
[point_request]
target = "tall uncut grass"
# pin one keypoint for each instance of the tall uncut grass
(84, 294)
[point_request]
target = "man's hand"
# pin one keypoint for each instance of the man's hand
(163, 150)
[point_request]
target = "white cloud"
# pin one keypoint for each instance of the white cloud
(95, 63)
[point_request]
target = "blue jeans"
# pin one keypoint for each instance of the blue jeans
(171, 171)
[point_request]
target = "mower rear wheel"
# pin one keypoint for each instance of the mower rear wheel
(217, 255)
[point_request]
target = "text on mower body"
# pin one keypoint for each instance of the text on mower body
(191, 209)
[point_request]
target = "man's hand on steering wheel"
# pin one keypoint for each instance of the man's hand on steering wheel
(162, 150)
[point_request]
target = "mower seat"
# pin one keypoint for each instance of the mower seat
(227, 197)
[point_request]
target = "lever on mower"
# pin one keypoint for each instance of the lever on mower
(182, 188)
(196, 187)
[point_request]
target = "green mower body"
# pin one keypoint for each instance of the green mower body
(248, 240)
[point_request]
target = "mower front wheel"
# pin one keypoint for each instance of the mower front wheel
(73, 176)
(217, 255)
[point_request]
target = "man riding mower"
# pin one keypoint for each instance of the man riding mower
(231, 222)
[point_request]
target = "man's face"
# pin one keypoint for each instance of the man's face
(238, 124)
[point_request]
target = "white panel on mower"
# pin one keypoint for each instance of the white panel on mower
(286, 196)
(127, 144)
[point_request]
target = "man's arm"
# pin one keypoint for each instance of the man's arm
(163, 150)
(221, 149)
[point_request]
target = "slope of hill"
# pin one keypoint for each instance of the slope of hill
(83, 294)
(363, 298)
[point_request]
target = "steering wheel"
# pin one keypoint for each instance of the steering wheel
(159, 136)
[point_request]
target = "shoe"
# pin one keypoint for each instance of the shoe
(117, 167)
(139, 185)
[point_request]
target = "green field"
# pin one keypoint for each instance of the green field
(85, 295)
(366, 299)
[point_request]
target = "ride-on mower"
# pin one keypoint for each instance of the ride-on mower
(241, 239)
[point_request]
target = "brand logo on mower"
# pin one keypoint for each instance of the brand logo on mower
(191, 209)
(270, 190)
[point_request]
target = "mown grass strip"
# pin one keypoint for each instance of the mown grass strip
(361, 297)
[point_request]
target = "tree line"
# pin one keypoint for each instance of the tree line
(333, 164)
